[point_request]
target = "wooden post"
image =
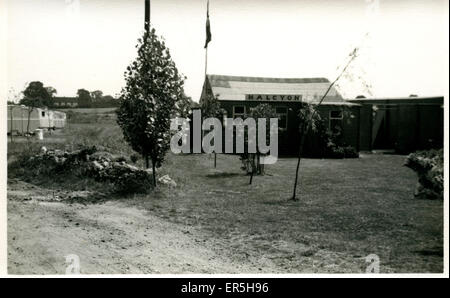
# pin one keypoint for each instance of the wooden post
(353, 55)
(147, 16)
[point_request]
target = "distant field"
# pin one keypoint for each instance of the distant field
(348, 209)
(91, 110)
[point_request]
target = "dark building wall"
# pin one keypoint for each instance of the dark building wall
(350, 122)
(289, 138)
(431, 126)
(406, 128)
(408, 124)
(365, 128)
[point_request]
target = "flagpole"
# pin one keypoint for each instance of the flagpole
(206, 61)
(207, 41)
(147, 16)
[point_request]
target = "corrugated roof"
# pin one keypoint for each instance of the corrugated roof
(237, 87)
(410, 98)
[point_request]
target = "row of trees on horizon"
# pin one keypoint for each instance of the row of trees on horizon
(37, 95)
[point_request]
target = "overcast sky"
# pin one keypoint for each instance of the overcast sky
(70, 44)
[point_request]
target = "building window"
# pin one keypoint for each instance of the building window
(239, 112)
(282, 113)
(43, 114)
(335, 121)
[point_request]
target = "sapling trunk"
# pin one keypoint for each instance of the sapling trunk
(300, 150)
(29, 118)
(253, 168)
(147, 163)
(154, 172)
(352, 55)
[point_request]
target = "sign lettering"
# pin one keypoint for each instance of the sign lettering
(273, 97)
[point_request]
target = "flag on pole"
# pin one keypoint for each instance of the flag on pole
(208, 27)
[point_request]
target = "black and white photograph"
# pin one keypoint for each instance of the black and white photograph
(207, 138)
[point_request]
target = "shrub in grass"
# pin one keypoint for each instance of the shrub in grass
(350, 152)
(331, 143)
(335, 152)
(429, 166)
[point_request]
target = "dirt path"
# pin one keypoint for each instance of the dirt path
(108, 238)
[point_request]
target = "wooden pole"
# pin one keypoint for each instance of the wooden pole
(206, 61)
(147, 16)
(308, 125)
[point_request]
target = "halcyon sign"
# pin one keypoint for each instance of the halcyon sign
(273, 97)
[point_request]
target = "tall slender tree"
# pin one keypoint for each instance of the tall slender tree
(261, 111)
(308, 116)
(211, 108)
(153, 87)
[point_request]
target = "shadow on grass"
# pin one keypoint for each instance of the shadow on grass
(438, 251)
(222, 175)
(283, 202)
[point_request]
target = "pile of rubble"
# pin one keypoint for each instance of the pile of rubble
(99, 165)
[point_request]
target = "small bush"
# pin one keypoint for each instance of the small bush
(350, 152)
(335, 152)
(429, 166)
(134, 158)
(331, 143)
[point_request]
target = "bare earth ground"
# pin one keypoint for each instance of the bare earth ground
(112, 237)
(109, 238)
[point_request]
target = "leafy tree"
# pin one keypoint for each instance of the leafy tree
(210, 107)
(308, 117)
(184, 106)
(35, 96)
(252, 161)
(51, 91)
(96, 96)
(84, 98)
(153, 87)
(108, 101)
(36, 91)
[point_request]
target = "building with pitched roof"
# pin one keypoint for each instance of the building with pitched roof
(401, 124)
(237, 94)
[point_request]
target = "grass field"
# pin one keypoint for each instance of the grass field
(91, 110)
(348, 208)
